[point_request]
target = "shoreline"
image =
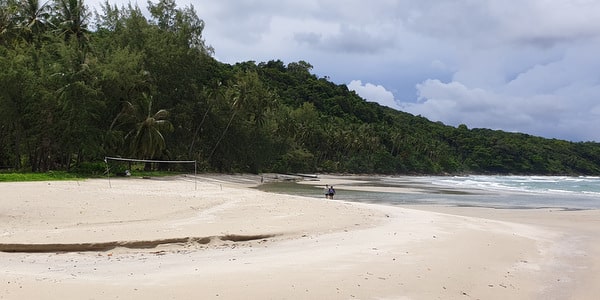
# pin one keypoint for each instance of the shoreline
(418, 191)
(303, 247)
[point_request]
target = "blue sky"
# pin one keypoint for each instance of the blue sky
(527, 66)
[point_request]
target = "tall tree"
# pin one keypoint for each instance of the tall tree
(79, 104)
(72, 18)
(146, 138)
(211, 94)
(33, 18)
(8, 9)
(184, 22)
(244, 90)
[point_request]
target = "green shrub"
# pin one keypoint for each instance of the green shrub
(90, 168)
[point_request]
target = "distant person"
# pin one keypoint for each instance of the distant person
(326, 191)
(331, 192)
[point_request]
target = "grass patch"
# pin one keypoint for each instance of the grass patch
(52, 175)
(62, 175)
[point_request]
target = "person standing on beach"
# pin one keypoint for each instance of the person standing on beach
(326, 191)
(331, 192)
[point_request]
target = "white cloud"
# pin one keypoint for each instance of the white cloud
(454, 103)
(550, 115)
(554, 95)
(374, 93)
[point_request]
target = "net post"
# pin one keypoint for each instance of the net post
(107, 171)
(195, 175)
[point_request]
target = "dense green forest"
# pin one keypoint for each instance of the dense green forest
(76, 86)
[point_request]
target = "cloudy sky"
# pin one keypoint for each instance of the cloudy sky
(530, 66)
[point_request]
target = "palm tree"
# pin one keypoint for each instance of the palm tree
(33, 17)
(212, 94)
(146, 138)
(247, 95)
(7, 20)
(239, 95)
(72, 21)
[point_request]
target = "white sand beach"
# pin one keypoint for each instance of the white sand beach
(216, 238)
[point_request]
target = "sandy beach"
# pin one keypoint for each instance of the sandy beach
(217, 238)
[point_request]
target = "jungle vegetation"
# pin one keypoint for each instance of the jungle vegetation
(76, 86)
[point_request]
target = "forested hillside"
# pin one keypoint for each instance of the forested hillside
(76, 87)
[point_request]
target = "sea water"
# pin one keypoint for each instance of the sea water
(479, 191)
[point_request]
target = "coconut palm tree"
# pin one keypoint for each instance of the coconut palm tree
(7, 20)
(72, 19)
(33, 18)
(246, 95)
(212, 93)
(146, 138)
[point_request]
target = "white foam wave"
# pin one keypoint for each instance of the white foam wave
(530, 184)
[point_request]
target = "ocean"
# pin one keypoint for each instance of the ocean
(572, 193)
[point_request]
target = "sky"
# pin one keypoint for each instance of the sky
(528, 66)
